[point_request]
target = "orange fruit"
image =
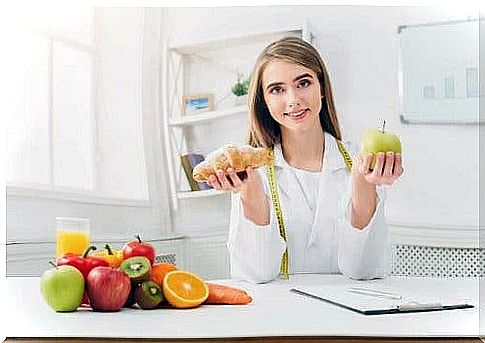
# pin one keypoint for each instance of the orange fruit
(159, 270)
(184, 289)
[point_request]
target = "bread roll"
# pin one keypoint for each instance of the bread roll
(231, 156)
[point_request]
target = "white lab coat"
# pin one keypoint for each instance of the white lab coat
(323, 242)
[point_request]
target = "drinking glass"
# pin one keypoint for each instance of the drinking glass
(72, 235)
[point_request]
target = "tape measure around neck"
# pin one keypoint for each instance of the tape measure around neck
(345, 154)
(270, 171)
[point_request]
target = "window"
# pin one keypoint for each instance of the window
(77, 124)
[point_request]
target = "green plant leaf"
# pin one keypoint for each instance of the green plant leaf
(241, 87)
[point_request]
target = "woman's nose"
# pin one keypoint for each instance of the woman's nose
(292, 98)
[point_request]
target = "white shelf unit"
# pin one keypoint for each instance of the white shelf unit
(199, 194)
(207, 116)
(209, 67)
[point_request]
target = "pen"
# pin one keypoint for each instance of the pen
(415, 305)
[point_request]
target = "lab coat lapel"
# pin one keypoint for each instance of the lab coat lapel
(288, 187)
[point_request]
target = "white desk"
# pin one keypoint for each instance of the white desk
(274, 312)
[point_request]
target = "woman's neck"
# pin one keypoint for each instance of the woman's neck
(304, 151)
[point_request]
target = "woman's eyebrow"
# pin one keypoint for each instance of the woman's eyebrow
(273, 84)
(302, 76)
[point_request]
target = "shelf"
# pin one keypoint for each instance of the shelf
(200, 194)
(226, 42)
(208, 116)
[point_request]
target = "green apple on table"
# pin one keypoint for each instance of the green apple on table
(62, 288)
(379, 141)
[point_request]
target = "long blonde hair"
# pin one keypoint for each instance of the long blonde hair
(264, 131)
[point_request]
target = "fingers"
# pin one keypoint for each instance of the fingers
(379, 167)
(365, 164)
(219, 181)
(388, 166)
(236, 181)
(213, 181)
(229, 180)
(224, 181)
(398, 168)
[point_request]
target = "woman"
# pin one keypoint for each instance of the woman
(332, 210)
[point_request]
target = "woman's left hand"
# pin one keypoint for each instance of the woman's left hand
(388, 168)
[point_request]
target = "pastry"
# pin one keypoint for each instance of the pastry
(231, 156)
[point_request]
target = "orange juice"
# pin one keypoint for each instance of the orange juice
(69, 241)
(72, 235)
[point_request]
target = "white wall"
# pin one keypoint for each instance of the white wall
(436, 201)
(32, 219)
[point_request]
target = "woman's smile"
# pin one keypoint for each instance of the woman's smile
(297, 115)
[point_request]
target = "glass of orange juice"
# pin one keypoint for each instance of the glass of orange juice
(72, 235)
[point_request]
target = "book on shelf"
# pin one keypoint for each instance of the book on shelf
(189, 161)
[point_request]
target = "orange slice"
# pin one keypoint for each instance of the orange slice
(183, 289)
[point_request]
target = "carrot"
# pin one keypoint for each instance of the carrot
(220, 294)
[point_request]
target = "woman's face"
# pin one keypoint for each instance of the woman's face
(292, 94)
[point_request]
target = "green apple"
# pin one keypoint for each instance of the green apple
(62, 288)
(379, 141)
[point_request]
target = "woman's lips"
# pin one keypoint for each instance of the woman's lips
(297, 115)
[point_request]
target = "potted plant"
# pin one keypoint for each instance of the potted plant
(240, 89)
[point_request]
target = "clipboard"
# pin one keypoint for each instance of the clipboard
(374, 302)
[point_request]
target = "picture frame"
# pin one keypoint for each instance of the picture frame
(195, 104)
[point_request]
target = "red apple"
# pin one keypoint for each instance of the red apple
(108, 288)
(139, 248)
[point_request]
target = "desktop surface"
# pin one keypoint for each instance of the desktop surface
(275, 313)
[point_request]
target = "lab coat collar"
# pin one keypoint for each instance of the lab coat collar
(332, 160)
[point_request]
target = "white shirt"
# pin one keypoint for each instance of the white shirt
(308, 182)
(319, 241)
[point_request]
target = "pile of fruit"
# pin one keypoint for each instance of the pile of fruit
(111, 280)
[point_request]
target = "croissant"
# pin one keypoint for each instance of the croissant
(231, 156)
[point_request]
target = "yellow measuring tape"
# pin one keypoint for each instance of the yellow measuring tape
(345, 155)
(276, 202)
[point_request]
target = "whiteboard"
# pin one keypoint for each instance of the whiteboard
(438, 72)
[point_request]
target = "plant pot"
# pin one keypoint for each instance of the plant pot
(241, 100)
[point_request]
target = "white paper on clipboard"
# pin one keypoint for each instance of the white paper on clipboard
(371, 304)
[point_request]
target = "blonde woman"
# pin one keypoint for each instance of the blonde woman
(330, 216)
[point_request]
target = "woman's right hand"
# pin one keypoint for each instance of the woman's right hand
(250, 185)
(235, 182)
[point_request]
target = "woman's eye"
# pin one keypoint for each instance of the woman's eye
(276, 90)
(304, 83)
